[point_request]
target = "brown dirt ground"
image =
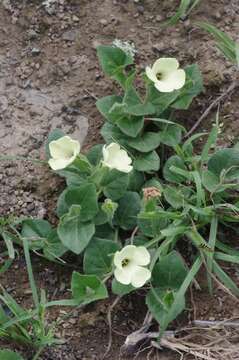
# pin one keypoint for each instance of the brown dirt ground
(50, 77)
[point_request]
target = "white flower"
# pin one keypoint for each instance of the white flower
(116, 158)
(129, 263)
(166, 75)
(63, 152)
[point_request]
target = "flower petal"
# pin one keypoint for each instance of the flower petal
(142, 256)
(177, 79)
(123, 276)
(64, 147)
(126, 253)
(150, 74)
(59, 164)
(116, 158)
(126, 169)
(165, 65)
(140, 276)
(164, 86)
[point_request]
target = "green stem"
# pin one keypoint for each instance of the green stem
(158, 252)
(154, 241)
(116, 238)
(38, 353)
(30, 273)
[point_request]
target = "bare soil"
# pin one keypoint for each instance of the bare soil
(50, 77)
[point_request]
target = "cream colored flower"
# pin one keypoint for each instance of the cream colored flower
(166, 75)
(129, 265)
(116, 158)
(63, 152)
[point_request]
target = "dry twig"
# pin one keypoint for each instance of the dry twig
(232, 87)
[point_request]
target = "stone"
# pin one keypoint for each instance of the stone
(70, 35)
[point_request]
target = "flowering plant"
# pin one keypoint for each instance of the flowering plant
(124, 217)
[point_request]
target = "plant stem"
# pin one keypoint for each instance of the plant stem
(159, 251)
(38, 353)
(30, 272)
(154, 241)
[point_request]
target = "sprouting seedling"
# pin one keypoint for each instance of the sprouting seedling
(224, 43)
(184, 9)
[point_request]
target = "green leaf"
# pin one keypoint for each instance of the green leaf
(74, 234)
(105, 104)
(131, 126)
(115, 184)
(224, 43)
(225, 257)
(171, 135)
(94, 155)
(210, 256)
(168, 174)
(224, 278)
(169, 272)
(85, 196)
(113, 61)
(112, 58)
(148, 141)
(98, 256)
(159, 303)
(174, 196)
(147, 162)
(225, 161)
(117, 112)
(81, 165)
(101, 217)
(35, 228)
(129, 207)
(120, 289)
(9, 355)
(151, 223)
(211, 142)
(177, 305)
(87, 288)
(111, 133)
(62, 207)
(104, 231)
(131, 97)
(7, 237)
(53, 248)
(74, 179)
(192, 87)
(54, 135)
(185, 7)
(140, 109)
(161, 100)
(210, 181)
(136, 180)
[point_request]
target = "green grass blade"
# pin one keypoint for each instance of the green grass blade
(224, 43)
(225, 279)
(212, 139)
(6, 265)
(185, 7)
(200, 192)
(211, 243)
(181, 293)
(226, 248)
(225, 257)
(30, 273)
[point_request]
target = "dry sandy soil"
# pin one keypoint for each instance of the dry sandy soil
(50, 77)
